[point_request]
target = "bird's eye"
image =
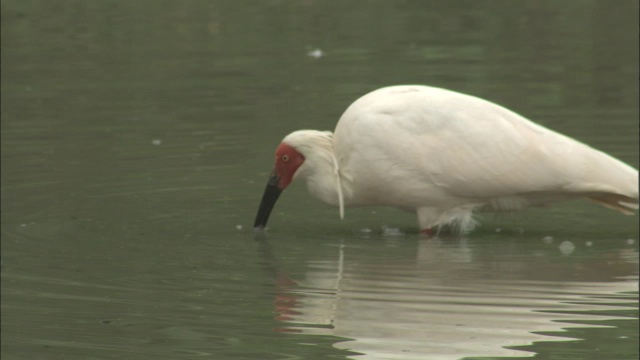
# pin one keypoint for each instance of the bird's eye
(285, 158)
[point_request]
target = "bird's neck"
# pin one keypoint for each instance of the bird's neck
(322, 173)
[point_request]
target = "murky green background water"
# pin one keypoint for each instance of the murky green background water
(137, 136)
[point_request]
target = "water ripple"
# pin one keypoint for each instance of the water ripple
(403, 311)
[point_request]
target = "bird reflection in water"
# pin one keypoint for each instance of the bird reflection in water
(449, 299)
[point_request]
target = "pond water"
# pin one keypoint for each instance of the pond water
(137, 138)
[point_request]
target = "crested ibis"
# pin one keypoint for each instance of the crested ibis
(442, 155)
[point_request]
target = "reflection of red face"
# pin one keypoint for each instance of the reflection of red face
(285, 302)
(288, 160)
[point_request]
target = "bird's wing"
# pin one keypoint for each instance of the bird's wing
(469, 147)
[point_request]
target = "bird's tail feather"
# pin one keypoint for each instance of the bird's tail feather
(624, 204)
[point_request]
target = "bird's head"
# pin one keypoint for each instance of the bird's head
(289, 164)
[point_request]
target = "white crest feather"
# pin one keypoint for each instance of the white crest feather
(336, 171)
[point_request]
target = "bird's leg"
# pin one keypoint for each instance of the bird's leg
(427, 220)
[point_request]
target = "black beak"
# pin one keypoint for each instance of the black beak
(269, 198)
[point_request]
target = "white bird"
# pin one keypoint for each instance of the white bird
(442, 155)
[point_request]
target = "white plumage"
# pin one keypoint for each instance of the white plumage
(443, 154)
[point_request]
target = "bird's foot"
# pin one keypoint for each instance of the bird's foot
(427, 231)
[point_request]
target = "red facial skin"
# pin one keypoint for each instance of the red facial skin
(288, 160)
